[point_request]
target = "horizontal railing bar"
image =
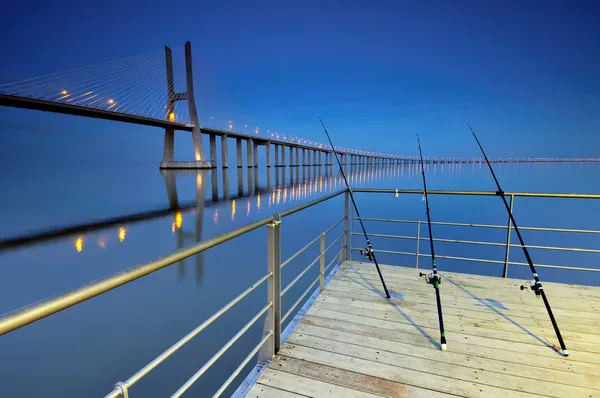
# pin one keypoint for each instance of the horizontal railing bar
(388, 236)
(34, 312)
(456, 224)
(175, 347)
(582, 231)
(384, 220)
(567, 249)
(334, 242)
(293, 307)
(220, 353)
(334, 225)
(480, 193)
(388, 252)
(244, 363)
(333, 260)
(479, 260)
(469, 242)
(300, 275)
(299, 252)
(557, 266)
(310, 204)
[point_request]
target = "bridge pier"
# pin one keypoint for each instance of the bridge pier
(255, 155)
(249, 143)
(213, 151)
(283, 156)
(224, 161)
(268, 153)
(238, 145)
(276, 155)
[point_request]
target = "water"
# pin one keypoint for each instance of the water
(84, 350)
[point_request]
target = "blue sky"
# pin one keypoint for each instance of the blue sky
(523, 73)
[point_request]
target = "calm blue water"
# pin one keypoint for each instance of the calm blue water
(83, 351)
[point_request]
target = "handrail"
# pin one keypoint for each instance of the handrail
(220, 353)
(480, 193)
(40, 310)
(171, 350)
(271, 337)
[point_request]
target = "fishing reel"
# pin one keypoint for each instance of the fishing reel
(431, 278)
(367, 254)
(534, 285)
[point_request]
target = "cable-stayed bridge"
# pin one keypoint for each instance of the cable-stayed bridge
(157, 90)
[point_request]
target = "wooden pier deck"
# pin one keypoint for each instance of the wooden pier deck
(353, 342)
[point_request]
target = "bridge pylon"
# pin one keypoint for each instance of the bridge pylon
(168, 161)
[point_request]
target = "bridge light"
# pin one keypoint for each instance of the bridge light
(172, 116)
(64, 92)
(111, 101)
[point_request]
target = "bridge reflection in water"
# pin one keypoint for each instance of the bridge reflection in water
(229, 202)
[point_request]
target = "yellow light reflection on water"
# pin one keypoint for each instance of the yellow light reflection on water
(216, 216)
(248, 210)
(122, 233)
(79, 244)
(233, 210)
(258, 202)
(177, 222)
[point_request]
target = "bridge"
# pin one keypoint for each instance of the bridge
(154, 90)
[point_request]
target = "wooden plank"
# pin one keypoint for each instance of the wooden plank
(585, 290)
(401, 375)
(308, 387)
(265, 391)
(357, 381)
(502, 323)
(461, 315)
(505, 293)
(542, 350)
(454, 370)
(510, 332)
(591, 339)
(471, 305)
(515, 369)
(509, 356)
(510, 298)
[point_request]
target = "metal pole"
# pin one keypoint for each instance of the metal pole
(344, 255)
(418, 241)
(350, 222)
(508, 233)
(274, 282)
(322, 265)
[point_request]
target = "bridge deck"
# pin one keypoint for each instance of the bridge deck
(355, 343)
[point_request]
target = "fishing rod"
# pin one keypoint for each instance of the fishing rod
(368, 253)
(535, 283)
(433, 278)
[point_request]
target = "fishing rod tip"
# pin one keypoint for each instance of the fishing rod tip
(444, 347)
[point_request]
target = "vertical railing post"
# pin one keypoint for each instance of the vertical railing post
(509, 230)
(274, 282)
(350, 216)
(322, 262)
(344, 254)
(418, 241)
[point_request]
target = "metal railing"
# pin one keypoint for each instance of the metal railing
(509, 228)
(270, 342)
